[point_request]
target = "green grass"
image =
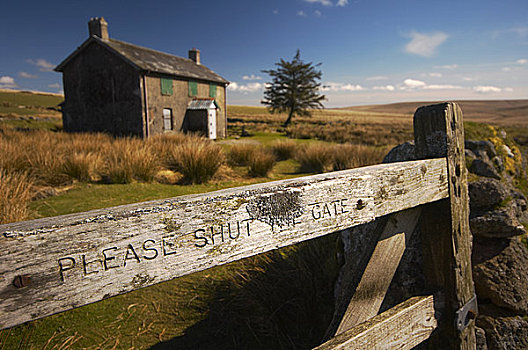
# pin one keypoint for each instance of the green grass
(32, 103)
(34, 124)
(246, 110)
(85, 197)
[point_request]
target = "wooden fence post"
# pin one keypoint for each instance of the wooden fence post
(439, 132)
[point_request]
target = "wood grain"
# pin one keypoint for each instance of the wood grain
(446, 237)
(381, 268)
(401, 327)
(69, 261)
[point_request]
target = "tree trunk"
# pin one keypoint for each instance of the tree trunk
(288, 121)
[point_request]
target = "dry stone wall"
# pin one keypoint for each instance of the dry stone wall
(500, 258)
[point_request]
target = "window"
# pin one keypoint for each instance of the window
(212, 90)
(166, 86)
(193, 88)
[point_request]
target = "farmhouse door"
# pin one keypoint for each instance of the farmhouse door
(211, 123)
(167, 119)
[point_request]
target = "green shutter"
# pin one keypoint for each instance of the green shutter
(166, 86)
(212, 90)
(193, 88)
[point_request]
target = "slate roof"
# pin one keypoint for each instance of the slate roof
(151, 61)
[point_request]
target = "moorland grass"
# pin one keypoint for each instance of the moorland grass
(15, 194)
(314, 158)
(276, 300)
(283, 149)
(260, 163)
(198, 159)
(240, 154)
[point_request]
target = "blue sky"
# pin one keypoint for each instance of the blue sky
(372, 51)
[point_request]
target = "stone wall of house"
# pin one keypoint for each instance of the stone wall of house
(102, 94)
(498, 218)
(178, 102)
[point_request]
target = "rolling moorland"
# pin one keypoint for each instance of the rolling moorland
(281, 299)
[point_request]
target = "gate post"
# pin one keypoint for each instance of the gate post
(446, 238)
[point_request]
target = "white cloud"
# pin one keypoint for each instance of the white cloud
(412, 84)
(423, 44)
(251, 77)
(335, 87)
(522, 32)
(342, 3)
(384, 88)
(435, 75)
(442, 87)
(322, 2)
(245, 88)
(522, 61)
(301, 13)
(486, 89)
(54, 86)
(7, 82)
(506, 69)
(447, 66)
(508, 89)
(27, 75)
(317, 13)
(377, 77)
(44, 66)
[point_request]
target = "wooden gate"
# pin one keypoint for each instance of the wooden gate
(55, 264)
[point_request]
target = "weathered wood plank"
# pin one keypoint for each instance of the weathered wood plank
(446, 237)
(381, 268)
(401, 327)
(73, 260)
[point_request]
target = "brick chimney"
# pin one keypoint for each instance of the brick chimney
(97, 26)
(194, 54)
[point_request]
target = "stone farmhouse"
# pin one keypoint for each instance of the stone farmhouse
(128, 90)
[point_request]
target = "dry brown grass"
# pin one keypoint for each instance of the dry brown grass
(348, 156)
(84, 167)
(241, 154)
(314, 158)
(260, 163)
(198, 159)
(344, 132)
(15, 194)
(342, 126)
(129, 159)
(55, 159)
(283, 149)
(498, 112)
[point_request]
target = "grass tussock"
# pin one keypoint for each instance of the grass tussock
(348, 156)
(241, 154)
(283, 149)
(260, 163)
(128, 160)
(84, 167)
(15, 194)
(314, 158)
(55, 159)
(198, 160)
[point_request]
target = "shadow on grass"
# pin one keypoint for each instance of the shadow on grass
(279, 300)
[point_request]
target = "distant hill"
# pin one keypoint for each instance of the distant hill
(499, 112)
